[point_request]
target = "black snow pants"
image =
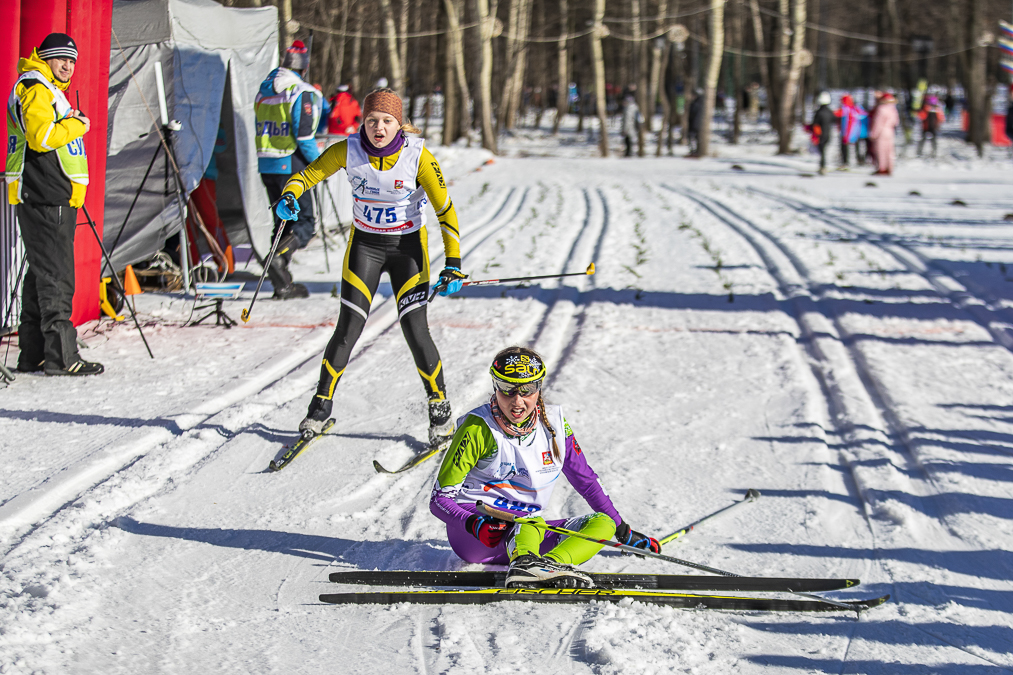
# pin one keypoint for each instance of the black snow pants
(46, 333)
(405, 259)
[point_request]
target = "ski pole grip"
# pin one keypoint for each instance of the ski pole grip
(495, 513)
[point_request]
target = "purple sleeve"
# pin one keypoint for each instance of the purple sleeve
(447, 509)
(583, 478)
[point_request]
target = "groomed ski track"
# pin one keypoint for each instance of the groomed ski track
(162, 545)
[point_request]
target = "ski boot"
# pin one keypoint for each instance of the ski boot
(281, 278)
(317, 415)
(441, 426)
(532, 571)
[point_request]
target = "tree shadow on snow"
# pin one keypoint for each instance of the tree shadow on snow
(869, 667)
(391, 554)
(54, 417)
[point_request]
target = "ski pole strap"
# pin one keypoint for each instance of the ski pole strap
(510, 517)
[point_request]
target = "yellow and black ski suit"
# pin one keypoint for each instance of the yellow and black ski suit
(405, 258)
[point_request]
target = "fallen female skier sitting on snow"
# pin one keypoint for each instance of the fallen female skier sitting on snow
(505, 453)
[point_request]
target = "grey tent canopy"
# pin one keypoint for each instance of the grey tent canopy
(213, 60)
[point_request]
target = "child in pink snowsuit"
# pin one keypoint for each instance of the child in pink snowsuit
(882, 131)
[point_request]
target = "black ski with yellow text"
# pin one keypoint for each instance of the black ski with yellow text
(583, 595)
(299, 447)
(417, 459)
(677, 582)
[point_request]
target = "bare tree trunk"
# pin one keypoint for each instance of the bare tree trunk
(455, 56)
(659, 72)
(396, 76)
(520, 22)
(541, 77)
(786, 118)
(487, 16)
(562, 54)
(978, 102)
(639, 72)
(339, 54)
(717, 49)
(597, 34)
(512, 44)
(520, 69)
(761, 44)
(402, 42)
(450, 88)
(738, 37)
(357, 52)
(285, 18)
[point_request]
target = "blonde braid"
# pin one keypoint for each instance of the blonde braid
(545, 421)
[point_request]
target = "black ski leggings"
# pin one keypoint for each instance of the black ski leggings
(405, 259)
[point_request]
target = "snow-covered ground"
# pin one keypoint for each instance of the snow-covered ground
(840, 343)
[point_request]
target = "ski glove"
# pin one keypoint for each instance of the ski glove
(627, 535)
(489, 531)
(288, 207)
(451, 280)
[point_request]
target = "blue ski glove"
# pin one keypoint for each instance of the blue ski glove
(288, 207)
(489, 531)
(627, 535)
(451, 281)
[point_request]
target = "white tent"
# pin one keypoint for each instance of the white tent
(213, 59)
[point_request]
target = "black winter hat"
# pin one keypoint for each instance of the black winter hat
(58, 46)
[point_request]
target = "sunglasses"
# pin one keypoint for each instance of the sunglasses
(509, 389)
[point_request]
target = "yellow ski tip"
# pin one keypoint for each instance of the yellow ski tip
(590, 269)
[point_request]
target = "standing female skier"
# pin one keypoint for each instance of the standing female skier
(508, 454)
(391, 176)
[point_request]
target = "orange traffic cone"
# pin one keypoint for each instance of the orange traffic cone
(130, 285)
(230, 259)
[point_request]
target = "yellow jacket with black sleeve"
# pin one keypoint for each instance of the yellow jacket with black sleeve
(429, 177)
(46, 161)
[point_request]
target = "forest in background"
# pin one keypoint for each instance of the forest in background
(497, 61)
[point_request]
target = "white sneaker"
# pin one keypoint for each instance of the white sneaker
(532, 571)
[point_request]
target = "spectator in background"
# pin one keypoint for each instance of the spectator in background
(345, 115)
(851, 115)
(882, 132)
(47, 177)
(288, 113)
(631, 122)
(694, 122)
(325, 109)
(932, 118)
(823, 123)
(1009, 116)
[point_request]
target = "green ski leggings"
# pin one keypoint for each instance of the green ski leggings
(570, 550)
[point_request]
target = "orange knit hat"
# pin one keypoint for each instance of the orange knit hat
(385, 101)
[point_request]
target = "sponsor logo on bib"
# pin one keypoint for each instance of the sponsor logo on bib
(546, 457)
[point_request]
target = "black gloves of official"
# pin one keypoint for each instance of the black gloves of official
(627, 535)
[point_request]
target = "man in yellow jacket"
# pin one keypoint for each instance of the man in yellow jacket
(47, 176)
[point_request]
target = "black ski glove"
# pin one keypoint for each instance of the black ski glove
(627, 535)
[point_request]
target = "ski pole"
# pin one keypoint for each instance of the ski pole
(751, 496)
(94, 230)
(521, 520)
(245, 314)
(588, 272)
